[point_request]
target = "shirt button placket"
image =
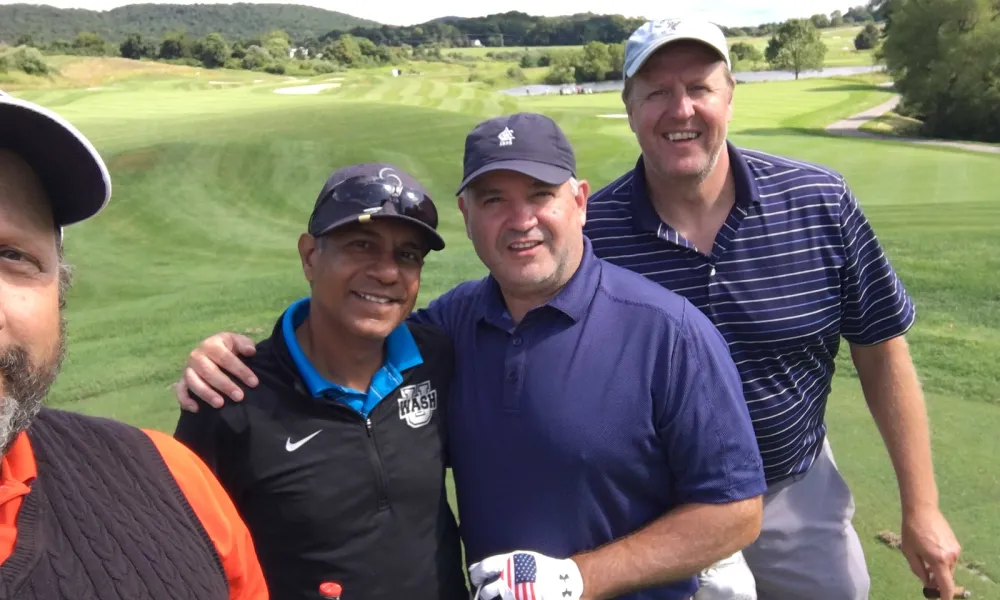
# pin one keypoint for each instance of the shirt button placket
(513, 367)
(709, 300)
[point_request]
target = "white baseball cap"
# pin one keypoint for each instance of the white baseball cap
(653, 35)
(69, 167)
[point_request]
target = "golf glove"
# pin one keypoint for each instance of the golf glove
(524, 575)
(728, 579)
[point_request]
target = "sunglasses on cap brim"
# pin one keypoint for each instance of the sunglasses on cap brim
(379, 196)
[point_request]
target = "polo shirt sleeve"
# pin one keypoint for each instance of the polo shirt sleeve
(438, 313)
(218, 516)
(704, 422)
(876, 308)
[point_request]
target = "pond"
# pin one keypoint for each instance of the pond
(741, 77)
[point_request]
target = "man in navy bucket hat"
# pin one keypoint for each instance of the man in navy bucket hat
(596, 428)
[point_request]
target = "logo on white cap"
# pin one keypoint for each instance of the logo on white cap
(506, 137)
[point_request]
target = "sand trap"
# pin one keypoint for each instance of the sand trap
(258, 80)
(94, 89)
(614, 116)
(334, 79)
(306, 89)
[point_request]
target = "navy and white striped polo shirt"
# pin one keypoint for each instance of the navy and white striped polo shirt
(795, 267)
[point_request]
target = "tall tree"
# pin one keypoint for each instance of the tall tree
(796, 47)
(745, 52)
(214, 51)
(174, 45)
(944, 56)
(135, 47)
(89, 44)
(868, 37)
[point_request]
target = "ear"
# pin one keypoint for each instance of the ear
(627, 101)
(581, 200)
(462, 206)
(729, 109)
(307, 253)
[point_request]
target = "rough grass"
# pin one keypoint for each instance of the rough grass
(893, 124)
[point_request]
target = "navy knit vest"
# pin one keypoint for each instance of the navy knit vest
(106, 519)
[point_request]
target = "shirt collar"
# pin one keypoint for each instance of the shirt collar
(645, 217)
(17, 469)
(573, 299)
(401, 353)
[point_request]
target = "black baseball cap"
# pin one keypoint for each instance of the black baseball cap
(528, 143)
(363, 192)
(70, 169)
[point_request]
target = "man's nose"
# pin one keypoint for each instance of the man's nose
(385, 269)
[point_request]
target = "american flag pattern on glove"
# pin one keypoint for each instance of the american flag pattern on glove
(519, 575)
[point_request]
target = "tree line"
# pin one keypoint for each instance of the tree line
(45, 24)
(314, 28)
(516, 28)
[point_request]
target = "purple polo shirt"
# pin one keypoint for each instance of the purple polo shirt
(600, 412)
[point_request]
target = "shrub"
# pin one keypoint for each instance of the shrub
(324, 66)
(29, 60)
(515, 73)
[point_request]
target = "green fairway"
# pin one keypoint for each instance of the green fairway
(213, 183)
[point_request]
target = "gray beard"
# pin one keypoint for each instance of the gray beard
(25, 387)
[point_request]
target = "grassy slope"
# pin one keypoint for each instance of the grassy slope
(212, 187)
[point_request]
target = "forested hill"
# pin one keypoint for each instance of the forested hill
(44, 24)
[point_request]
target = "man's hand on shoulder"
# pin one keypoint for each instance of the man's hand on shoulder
(203, 375)
(523, 574)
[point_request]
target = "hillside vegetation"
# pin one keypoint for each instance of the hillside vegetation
(44, 24)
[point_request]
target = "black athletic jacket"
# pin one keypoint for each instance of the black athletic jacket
(331, 496)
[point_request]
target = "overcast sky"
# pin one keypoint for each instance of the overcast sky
(396, 12)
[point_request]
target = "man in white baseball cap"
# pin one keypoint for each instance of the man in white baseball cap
(653, 35)
(75, 178)
(779, 255)
(83, 497)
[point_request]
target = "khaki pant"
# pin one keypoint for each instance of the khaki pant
(807, 548)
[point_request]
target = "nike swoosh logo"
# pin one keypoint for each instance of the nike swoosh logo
(293, 447)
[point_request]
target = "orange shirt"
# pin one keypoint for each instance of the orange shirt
(203, 492)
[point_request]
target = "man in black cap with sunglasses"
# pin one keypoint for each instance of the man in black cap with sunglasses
(336, 458)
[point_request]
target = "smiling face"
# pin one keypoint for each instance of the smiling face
(679, 106)
(31, 328)
(527, 232)
(365, 277)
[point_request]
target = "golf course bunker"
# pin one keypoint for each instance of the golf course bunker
(306, 89)
(614, 116)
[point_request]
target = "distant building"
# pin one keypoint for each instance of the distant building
(477, 44)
